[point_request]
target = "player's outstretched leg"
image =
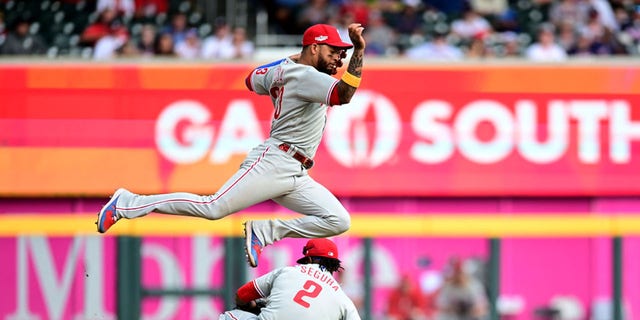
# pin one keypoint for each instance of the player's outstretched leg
(108, 216)
(252, 245)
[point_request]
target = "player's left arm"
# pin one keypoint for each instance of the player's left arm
(257, 288)
(247, 293)
(350, 81)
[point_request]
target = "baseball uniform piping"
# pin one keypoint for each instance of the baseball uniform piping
(255, 285)
(248, 82)
(202, 202)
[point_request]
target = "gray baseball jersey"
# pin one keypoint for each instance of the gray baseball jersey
(304, 292)
(300, 96)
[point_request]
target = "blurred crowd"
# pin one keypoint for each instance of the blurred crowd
(107, 29)
(460, 294)
(541, 30)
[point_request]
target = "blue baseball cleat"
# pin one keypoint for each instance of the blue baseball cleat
(108, 216)
(252, 245)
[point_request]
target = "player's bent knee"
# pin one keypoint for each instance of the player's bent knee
(213, 214)
(343, 222)
(216, 211)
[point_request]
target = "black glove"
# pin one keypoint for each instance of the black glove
(254, 306)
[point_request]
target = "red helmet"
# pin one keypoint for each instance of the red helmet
(320, 247)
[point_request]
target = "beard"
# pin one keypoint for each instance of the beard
(327, 68)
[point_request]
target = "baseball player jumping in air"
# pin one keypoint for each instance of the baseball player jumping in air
(301, 88)
(304, 291)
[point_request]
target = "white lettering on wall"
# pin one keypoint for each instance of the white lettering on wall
(557, 141)
(185, 134)
(55, 284)
(194, 141)
(466, 125)
(204, 257)
(171, 276)
(368, 131)
(239, 132)
(427, 123)
(622, 131)
(589, 114)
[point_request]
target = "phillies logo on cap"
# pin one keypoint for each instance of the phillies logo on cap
(324, 34)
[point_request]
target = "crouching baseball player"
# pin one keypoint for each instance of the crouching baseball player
(304, 291)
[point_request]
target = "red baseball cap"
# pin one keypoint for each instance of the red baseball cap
(324, 34)
(320, 247)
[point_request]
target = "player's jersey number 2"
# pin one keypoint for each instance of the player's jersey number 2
(310, 290)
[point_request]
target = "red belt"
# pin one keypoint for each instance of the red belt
(307, 162)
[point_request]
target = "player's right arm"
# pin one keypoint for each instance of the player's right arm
(345, 86)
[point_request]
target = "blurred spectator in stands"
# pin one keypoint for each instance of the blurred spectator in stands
(165, 46)
(128, 50)
(390, 11)
(477, 48)
(581, 48)
(381, 39)
(3, 27)
(451, 8)
(545, 49)
(406, 302)
(19, 41)
(108, 46)
(314, 12)
(608, 44)
(282, 13)
(489, 7)
(631, 31)
(593, 27)
(510, 45)
(150, 8)
(100, 28)
(461, 297)
(240, 48)
(499, 13)
(567, 36)
(146, 44)
(623, 17)
(471, 24)
(123, 8)
(221, 40)
(359, 9)
(605, 14)
(177, 27)
(436, 50)
(342, 22)
(569, 11)
(190, 48)
(410, 19)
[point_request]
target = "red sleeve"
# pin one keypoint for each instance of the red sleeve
(334, 98)
(247, 81)
(248, 292)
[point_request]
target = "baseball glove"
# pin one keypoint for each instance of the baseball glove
(254, 306)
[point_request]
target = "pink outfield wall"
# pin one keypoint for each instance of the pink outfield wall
(64, 277)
